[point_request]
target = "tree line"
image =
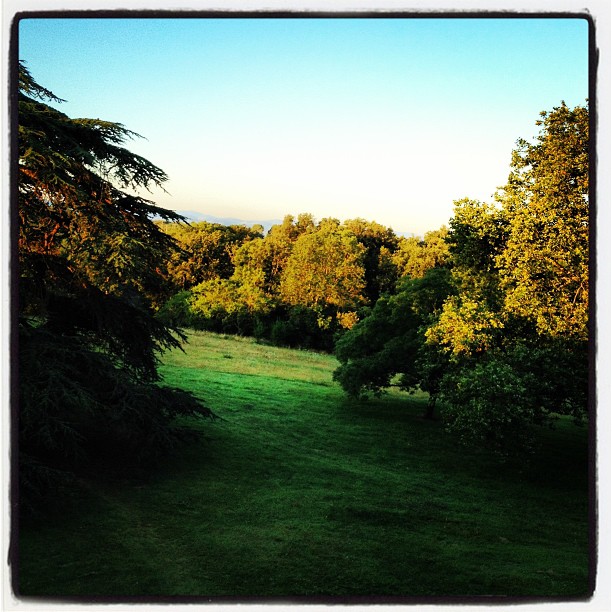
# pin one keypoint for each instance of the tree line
(301, 285)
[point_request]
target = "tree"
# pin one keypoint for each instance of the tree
(379, 243)
(325, 270)
(266, 258)
(544, 267)
(506, 348)
(228, 306)
(89, 269)
(257, 261)
(517, 331)
(207, 251)
(414, 257)
(488, 404)
(470, 321)
(391, 342)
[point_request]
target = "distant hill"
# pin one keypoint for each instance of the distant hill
(192, 215)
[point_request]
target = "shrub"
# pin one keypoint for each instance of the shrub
(177, 312)
(487, 404)
(300, 327)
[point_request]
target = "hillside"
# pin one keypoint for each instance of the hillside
(298, 491)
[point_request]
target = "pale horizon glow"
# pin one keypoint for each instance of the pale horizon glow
(390, 120)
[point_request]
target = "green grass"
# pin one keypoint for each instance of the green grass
(301, 492)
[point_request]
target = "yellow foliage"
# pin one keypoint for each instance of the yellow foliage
(464, 327)
(347, 319)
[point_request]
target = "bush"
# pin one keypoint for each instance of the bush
(300, 327)
(487, 404)
(555, 373)
(177, 312)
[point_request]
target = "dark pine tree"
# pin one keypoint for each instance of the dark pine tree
(89, 261)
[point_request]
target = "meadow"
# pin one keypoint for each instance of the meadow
(297, 491)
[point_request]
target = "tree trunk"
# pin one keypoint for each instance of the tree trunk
(431, 406)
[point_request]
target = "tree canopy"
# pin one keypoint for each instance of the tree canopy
(544, 268)
(502, 289)
(299, 285)
(415, 256)
(390, 342)
(324, 269)
(207, 251)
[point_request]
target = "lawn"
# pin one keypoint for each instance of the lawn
(299, 492)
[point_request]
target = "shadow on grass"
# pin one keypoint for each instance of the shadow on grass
(559, 459)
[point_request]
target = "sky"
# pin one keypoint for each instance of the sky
(391, 120)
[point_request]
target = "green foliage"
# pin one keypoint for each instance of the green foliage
(488, 404)
(177, 312)
(299, 327)
(504, 341)
(227, 306)
(300, 285)
(555, 373)
(415, 257)
(477, 235)
(390, 341)
(428, 293)
(465, 326)
(494, 400)
(88, 252)
(373, 351)
(79, 413)
(324, 270)
(89, 275)
(516, 333)
(470, 321)
(266, 259)
(379, 242)
(207, 251)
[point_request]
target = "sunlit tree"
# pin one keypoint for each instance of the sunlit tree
(380, 243)
(414, 256)
(544, 267)
(325, 269)
(206, 252)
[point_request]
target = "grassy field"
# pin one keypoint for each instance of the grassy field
(300, 492)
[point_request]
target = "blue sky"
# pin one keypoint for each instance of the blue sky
(385, 119)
